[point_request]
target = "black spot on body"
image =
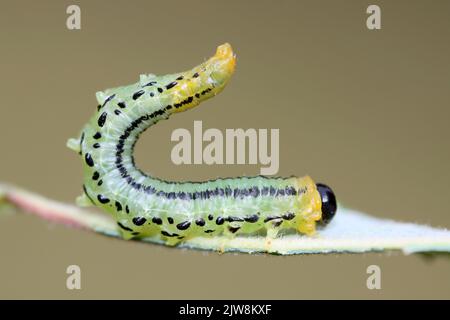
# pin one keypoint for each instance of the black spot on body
(102, 119)
(170, 220)
(160, 90)
(100, 182)
(233, 229)
(137, 94)
(139, 221)
(288, 216)
(200, 222)
(102, 199)
(122, 105)
(95, 175)
(183, 225)
(118, 206)
(220, 220)
(171, 85)
(209, 231)
(210, 217)
(157, 220)
(89, 160)
(98, 135)
(252, 219)
(117, 112)
(96, 145)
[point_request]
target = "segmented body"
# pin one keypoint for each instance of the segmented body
(145, 206)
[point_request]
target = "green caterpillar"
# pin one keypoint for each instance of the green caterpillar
(144, 206)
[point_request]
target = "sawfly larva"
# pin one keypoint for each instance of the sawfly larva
(145, 206)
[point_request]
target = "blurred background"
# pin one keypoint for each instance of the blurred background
(365, 111)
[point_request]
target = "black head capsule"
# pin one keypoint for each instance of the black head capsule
(329, 205)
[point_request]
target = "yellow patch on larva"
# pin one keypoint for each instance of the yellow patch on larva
(309, 205)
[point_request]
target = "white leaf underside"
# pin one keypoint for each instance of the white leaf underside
(349, 232)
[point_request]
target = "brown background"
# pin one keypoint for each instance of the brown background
(364, 111)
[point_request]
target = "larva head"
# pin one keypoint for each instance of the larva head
(328, 200)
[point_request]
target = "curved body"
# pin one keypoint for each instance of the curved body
(145, 206)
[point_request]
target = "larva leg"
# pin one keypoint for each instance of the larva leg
(172, 242)
(127, 235)
(232, 229)
(144, 206)
(273, 228)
